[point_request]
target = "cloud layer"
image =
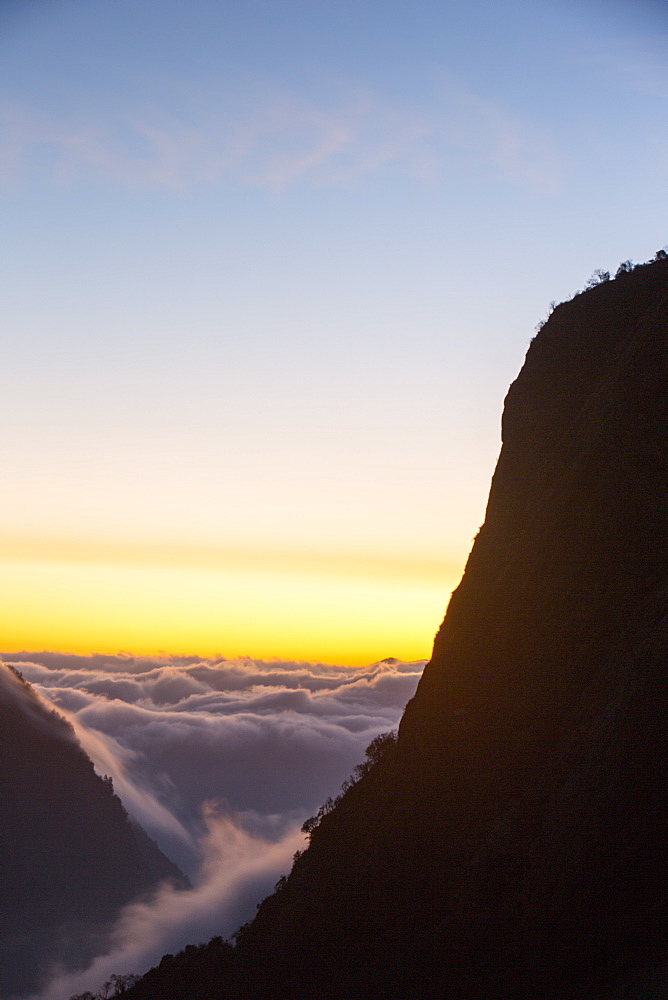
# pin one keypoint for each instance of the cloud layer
(266, 740)
(221, 761)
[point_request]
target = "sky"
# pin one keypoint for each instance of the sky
(269, 269)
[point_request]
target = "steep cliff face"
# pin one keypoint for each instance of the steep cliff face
(513, 843)
(70, 856)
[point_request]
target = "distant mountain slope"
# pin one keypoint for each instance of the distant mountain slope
(70, 856)
(513, 844)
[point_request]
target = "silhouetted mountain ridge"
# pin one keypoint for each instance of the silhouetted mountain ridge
(513, 842)
(71, 857)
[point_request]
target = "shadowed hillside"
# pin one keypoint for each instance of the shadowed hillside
(70, 855)
(512, 843)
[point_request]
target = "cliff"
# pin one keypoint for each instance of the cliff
(71, 858)
(513, 842)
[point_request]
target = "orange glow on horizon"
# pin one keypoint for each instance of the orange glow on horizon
(348, 564)
(348, 608)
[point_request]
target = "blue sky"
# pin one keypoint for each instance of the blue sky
(269, 270)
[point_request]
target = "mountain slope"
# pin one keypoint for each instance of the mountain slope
(70, 855)
(513, 842)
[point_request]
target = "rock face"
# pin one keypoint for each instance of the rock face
(513, 842)
(70, 855)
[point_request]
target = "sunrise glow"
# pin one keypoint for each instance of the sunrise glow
(301, 613)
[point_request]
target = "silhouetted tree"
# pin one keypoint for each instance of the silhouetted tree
(312, 822)
(375, 751)
(597, 278)
(121, 984)
(115, 986)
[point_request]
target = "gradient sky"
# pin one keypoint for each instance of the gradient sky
(268, 271)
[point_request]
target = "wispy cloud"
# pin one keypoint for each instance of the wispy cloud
(276, 140)
(482, 132)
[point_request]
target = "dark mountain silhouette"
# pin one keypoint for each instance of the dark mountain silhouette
(512, 842)
(70, 856)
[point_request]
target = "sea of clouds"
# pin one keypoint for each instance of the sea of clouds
(221, 761)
